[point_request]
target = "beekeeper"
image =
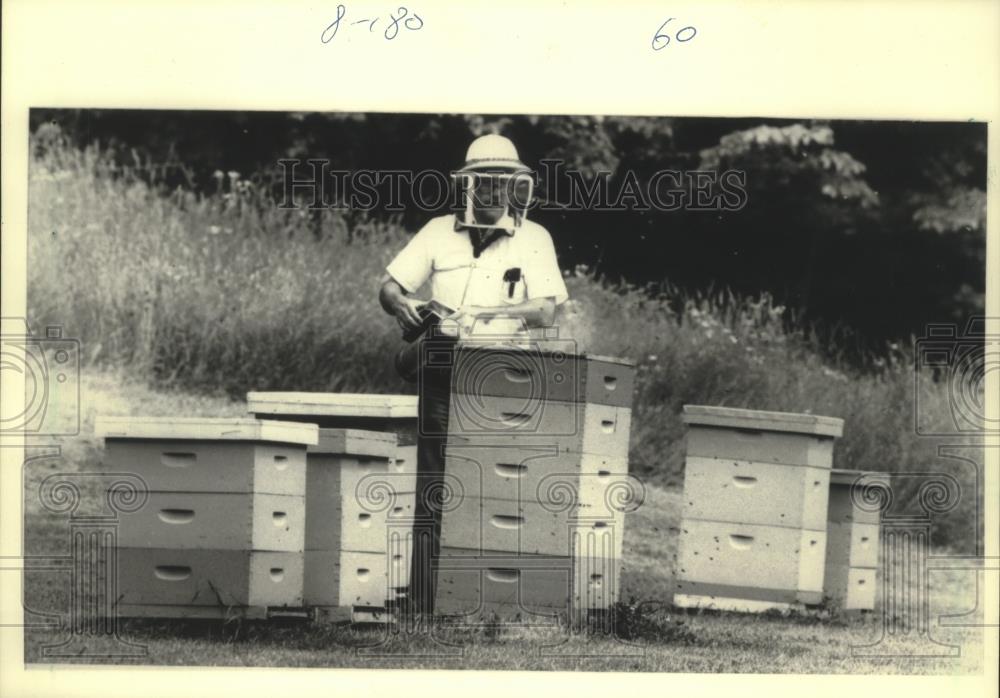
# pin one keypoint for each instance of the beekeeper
(498, 272)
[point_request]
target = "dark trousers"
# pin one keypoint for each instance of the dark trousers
(435, 391)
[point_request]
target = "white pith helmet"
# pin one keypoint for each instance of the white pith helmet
(493, 150)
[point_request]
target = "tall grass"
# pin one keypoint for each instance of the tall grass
(229, 292)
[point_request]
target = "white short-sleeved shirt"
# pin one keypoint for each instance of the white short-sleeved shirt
(443, 253)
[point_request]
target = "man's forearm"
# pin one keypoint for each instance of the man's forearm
(537, 312)
(389, 294)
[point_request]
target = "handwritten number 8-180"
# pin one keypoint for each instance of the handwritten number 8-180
(682, 35)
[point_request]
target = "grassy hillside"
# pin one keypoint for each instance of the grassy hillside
(230, 293)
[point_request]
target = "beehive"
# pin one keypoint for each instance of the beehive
(533, 474)
(753, 532)
(357, 546)
(568, 427)
(223, 527)
(536, 439)
(852, 545)
(527, 528)
(216, 521)
(382, 413)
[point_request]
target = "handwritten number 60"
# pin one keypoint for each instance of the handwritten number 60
(662, 40)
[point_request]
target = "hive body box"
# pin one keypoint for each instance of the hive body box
(357, 526)
(223, 527)
(852, 544)
(756, 484)
(536, 439)
(353, 411)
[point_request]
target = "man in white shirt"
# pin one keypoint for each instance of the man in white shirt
(499, 272)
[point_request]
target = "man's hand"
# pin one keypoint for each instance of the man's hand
(459, 323)
(538, 312)
(406, 310)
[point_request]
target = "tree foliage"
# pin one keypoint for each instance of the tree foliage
(872, 227)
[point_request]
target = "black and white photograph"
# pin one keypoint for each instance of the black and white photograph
(503, 391)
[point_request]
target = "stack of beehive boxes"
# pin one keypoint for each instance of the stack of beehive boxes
(537, 440)
(394, 415)
(852, 544)
(223, 529)
(354, 560)
(756, 485)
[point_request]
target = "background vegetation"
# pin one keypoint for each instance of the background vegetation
(218, 289)
(864, 230)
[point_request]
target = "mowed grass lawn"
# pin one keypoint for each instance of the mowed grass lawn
(665, 639)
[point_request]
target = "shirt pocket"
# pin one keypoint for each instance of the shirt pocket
(512, 292)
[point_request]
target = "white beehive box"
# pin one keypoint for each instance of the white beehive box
(753, 533)
(532, 528)
(528, 473)
(746, 491)
(350, 490)
(209, 455)
(342, 578)
(566, 426)
(723, 561)
(852, 554)
(216, 521)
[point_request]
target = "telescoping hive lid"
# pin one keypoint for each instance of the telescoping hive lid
(207, 428)
(840, 476)
(333, 404)
(355, 442)
(736, 418)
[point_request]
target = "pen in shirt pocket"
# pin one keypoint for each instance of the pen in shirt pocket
(511, 277)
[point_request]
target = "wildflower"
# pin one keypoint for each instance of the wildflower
(233, 175)
(835, 375)
(652, 357)
(214, 230)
